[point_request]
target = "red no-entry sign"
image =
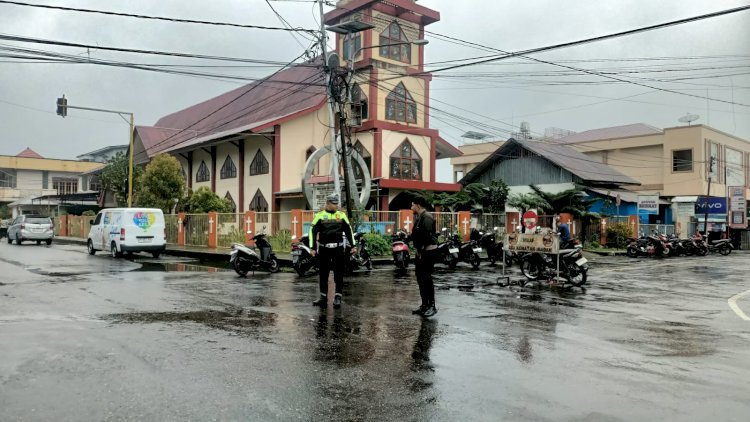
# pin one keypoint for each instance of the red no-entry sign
(529, 220)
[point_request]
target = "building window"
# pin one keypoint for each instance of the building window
(359, 104)
(366, 156)
(395, 35)
(228, 170)
(259, 205)
(459, 176)
(7, 178)
(735, 168)
(232, 204)
(400, 106)
(406, 163)
(203, 175)
(64, 185)
(259, 164)
(352, 46)
(95, 184)
(682, 160)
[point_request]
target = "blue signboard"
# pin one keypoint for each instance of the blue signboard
(713, 205)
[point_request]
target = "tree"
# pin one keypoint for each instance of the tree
(527, 201)
(162, 184)
(495, 197)
(114, 178)
(204, 200)
(571, 201)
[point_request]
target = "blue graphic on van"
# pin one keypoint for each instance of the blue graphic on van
(144, 220)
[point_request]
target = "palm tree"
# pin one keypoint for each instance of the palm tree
(527, 201)
(571, 201)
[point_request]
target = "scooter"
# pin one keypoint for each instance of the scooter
(302, 259)
(447, 251)
(400, 250)
(495, 250)
(361, 258)
(573, 266)
(245, 259)
(722, 246)
(468, 251)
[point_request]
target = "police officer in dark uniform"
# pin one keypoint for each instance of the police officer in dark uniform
(423, 236)
(328, 230)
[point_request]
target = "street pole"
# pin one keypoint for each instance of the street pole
(130, 165)
(62, 110)
(331, 124)
(705, 202)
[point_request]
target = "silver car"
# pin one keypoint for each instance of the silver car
(31, 227)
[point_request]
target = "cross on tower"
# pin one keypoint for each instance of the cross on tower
(210, 225)
(248, 221)
(466, 223)
(407, 223)
(179, 225)
(294, 224)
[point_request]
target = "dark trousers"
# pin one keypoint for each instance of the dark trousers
(331, 259)
(423, 267)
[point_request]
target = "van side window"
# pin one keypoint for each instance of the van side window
(106, 218)
(98, 219)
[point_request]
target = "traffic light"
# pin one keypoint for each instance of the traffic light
(62, 106)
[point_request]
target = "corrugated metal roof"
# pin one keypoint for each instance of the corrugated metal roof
(28, 153)
(564, 156)
(291, 91)
(626, 131)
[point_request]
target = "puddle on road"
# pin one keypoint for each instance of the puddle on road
(244, 321)
(192, 266)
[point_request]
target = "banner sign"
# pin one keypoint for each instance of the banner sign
(713, 205)
(647, 205)
(738, 206)
(544, 243)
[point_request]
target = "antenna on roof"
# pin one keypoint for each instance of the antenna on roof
(689, 118)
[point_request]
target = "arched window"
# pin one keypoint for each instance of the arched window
(228, 170)
(259, 205)
(359, 104)
(400, 106)
(228, 198)
(393, 34)
(366, 156)
(203, 175)
(352, 44)
(259, 164)
(406, 163)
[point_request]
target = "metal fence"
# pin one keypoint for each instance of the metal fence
(647, 229)
(171, 227)
(488, 221)
(195, 227)
(230, 228)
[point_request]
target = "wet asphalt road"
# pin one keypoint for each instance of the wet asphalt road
(91, 338)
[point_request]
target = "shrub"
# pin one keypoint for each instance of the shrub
(378, 244)
(89, 213)
(618, 234)
(281, 241)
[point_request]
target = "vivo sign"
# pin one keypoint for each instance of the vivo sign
(712, 205)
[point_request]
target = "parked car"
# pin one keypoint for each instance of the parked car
(128, 230)
(31, 227)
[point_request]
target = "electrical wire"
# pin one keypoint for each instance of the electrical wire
(160, 18)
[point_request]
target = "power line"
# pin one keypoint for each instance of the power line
(161, 18)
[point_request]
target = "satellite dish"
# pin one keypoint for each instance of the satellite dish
(688, 118)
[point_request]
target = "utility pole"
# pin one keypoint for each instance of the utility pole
(705, 202)
(331, 108)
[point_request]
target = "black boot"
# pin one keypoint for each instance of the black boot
(337, 301)
(430, 311)
(420, 310)
(322, 301)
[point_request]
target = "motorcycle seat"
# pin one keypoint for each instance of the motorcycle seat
(716, 242)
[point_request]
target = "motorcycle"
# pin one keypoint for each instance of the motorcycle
(447, 251)
(647, 246)
(245, 259)
(302, 259)
(400, 250)
(572, 264)
(722, 246)
(361, 258)
(468, 251)
(495, 251)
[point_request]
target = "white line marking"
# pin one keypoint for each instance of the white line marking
(733, 304)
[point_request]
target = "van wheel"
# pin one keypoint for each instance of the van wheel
(10, 241)
(113, 251)
(48, 242)
(18, 240)
(38, 242)
(156, 255)
(91, 249)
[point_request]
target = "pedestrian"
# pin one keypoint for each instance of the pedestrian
(423, 235)
(329, 228)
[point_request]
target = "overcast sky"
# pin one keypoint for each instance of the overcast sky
(500, 95)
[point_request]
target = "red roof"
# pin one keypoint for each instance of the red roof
(250, 107)
(28, 153)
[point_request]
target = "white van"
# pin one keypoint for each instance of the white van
(128, 230)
